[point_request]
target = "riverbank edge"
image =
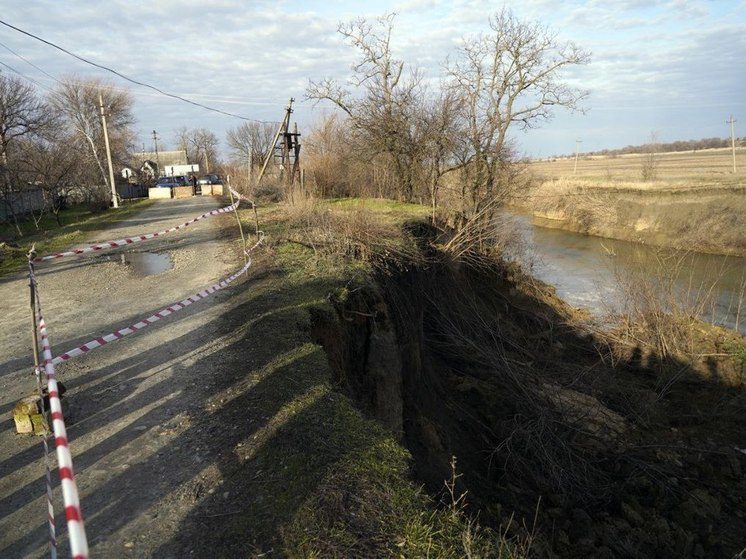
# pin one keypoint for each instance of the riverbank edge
(357, 321)
(709, 221)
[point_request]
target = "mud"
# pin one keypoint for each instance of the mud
(146, 263)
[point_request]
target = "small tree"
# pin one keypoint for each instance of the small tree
(382, 118)
(443, 128)
(649, 168)
(250, 142)
(182, 141)
(22, 116)
(205, 145)
(77, 101)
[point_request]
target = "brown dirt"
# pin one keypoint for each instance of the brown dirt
(617, 461)
(148, 417)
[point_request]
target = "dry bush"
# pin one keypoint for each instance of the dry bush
(355, 233)
(487, 232)
(269, 191)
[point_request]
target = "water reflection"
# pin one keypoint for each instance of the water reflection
(146, 263)
(586, 272)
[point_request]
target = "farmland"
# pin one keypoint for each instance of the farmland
(693, 201)
(687, 169)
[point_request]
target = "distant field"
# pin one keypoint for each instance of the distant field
(695, 202)
(713, 167)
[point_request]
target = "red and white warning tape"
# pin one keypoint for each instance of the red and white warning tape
(47, 473)
(71, 499)
(138, 238)
(163, 313)
(73, 513)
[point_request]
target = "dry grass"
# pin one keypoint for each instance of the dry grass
(710, 168)
(708, 219)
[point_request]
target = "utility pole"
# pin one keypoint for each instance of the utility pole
(283, 128)
(157, 161)
(251, 165)
(114, 201)
(732, 121)
(577, 149)
(296, 153)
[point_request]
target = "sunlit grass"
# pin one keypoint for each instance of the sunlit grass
(79, 223)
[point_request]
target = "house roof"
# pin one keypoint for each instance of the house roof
(177, 157)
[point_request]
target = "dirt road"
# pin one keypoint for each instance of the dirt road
(147, 414)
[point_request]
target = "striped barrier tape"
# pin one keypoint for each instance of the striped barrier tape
(136, 239)
(163, 313)
(70, 498)
(73, 513)
(47, 472)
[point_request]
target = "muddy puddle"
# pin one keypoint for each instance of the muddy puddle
(145, 263)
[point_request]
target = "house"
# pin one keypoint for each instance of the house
(164, 163)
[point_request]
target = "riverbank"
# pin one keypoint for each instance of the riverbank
(703, 218)
(597, 443)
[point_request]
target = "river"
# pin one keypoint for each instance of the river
(589, 272)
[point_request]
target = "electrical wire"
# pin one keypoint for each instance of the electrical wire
(127, 78)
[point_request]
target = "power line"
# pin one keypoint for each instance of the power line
(25, 77)
(219, 98)
(127, 78)
(10, 50)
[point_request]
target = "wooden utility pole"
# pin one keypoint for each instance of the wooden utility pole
(157, 159)
(114, 201)
(295, 144)
(251, 165)
(280, 130)
(577, 150)
(732, 121)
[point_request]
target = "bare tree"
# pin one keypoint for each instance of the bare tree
(383, 116)
(47, 162)
(78, 102)
(183, 141)
(509, 78)
(250, 142)
(22, 115)
(205, 145)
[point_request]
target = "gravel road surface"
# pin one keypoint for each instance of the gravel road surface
(132, 403)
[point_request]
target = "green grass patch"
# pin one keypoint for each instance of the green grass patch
(330, 482)
(79, 223)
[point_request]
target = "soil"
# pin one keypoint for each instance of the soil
(211, 432)
(703, 219)
(604, 456)
(145, 420)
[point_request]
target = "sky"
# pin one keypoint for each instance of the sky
(673, 67)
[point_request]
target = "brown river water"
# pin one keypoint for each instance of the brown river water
(586, 271)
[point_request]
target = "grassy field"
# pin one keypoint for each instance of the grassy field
(704, 168)
(49, 237)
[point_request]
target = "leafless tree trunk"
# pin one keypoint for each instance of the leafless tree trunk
(22, 114)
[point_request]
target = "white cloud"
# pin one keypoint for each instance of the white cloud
(249, 57)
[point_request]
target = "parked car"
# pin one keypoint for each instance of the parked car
(169, 182)
(210, 179)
